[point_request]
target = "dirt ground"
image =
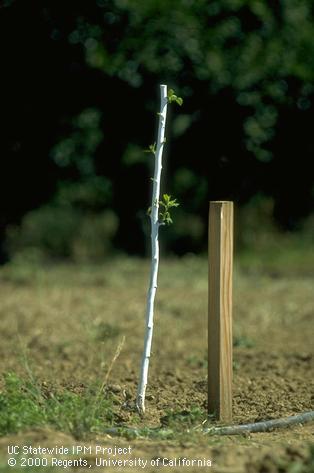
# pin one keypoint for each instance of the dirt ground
(71, 320)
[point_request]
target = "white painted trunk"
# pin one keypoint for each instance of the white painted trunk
(140, 402)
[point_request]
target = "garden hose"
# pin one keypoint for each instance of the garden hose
(263, 426)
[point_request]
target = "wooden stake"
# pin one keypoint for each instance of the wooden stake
(220, 242)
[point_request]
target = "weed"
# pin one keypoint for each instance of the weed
(183, 419)
(104, 331)
(19, 405)
(23, 404)
(114, 359)
(242, 341)
(197, 361)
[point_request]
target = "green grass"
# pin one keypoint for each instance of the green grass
(23, 404)
(243, 341)
(184, 419)
(103, 331)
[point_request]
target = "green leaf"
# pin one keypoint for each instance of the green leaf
(166, 203)
(172, 97)
(151, 149)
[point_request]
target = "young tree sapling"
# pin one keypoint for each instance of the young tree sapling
(159, 213)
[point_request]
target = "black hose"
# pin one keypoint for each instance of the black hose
(264, 426)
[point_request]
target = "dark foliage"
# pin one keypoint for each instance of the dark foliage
(79, 91)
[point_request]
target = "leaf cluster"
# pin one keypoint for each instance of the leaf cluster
(260, 54)
(165, 205)
(172, 97)
(164, 209)
(151, 148)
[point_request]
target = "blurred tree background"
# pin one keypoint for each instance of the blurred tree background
(79, 92)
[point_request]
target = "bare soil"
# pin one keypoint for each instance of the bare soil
(71, 321)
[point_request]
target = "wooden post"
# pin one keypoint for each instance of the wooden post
(220, 242)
